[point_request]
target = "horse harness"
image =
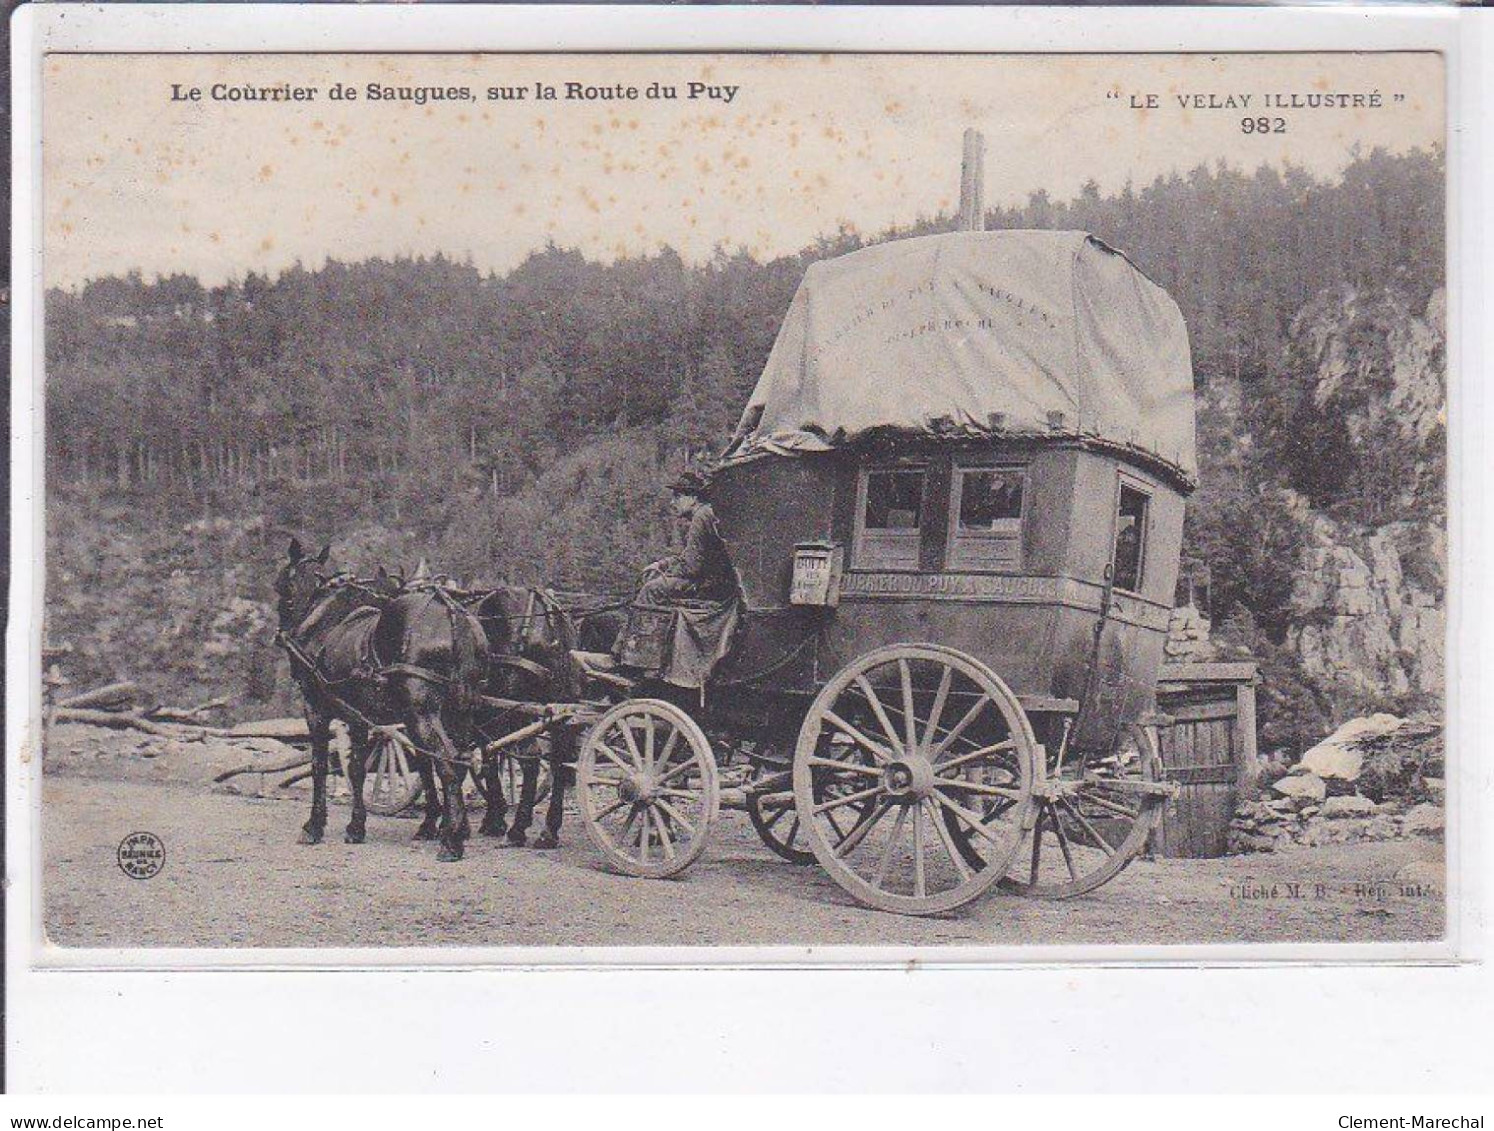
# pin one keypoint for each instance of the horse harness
(371, 670)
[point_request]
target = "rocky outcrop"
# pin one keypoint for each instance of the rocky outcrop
(1367, 610)
(1378, 360)
(1188, 637)
(1366, 616)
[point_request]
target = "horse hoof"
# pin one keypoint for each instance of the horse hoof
(547, 839)
(492, 830)
(448, 856)
(515, 841)
(424, 834)
(350, 837)
(309, 837)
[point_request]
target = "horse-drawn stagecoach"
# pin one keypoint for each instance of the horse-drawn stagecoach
(955, 508)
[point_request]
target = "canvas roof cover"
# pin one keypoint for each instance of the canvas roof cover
(980, 333)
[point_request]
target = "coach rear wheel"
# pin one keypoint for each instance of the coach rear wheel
(1094, 818)
(911, 740)
(770, 808)
(646, 787)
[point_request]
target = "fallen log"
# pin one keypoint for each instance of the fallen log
(185, 714)
(286, 730)
(115, 720)
(254, 768)
(113, 696)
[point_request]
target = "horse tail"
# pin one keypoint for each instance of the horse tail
(469, 656)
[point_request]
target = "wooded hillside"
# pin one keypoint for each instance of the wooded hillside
(518, 426)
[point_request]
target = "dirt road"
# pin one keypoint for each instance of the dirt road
(234, 876)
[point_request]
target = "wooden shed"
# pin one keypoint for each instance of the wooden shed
(1209, 749)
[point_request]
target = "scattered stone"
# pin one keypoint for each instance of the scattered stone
(1336, 808)
(1308, 786)
(1254, 842)
(1338, 755)
(1425, 819)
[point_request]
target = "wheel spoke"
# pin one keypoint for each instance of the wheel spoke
(670, 775)
(876, 750)
(669, 745)
(626, 836)
(892, 841)
(1089, 829)
(627, 733)
(644, 828)
(849, 767)
(920, 884)
(613, 808)
(380, 761)
(1037, 842)
(971, 819)
(664, 841)
(1112, 807)
(910, 721)
(388, 763)
(1063, 843)
(876, 705)
(848, 799)
(945, 839)
(937, 710)
(860, 829)
(793, 832)
(648, 744)
(959, 728)
(676, 816)
(980, 787)
(972, 755)
(605, 751)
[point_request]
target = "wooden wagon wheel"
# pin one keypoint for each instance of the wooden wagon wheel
(1094, 819)
(770, 808)
(647, 789)
(392, 784)
(919, 736)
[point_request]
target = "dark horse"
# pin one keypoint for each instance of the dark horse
(379, 658)
(530, 638)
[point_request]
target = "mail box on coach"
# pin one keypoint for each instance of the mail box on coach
(817, 567)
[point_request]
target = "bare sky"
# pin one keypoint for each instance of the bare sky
(135, 180)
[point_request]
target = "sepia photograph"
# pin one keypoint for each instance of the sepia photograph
(576, 501)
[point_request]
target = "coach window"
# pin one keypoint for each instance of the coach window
(889, 515)
(986, 518)
(1130, 538)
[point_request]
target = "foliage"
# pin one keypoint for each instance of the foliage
(518, 426)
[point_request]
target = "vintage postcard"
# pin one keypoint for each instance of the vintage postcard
(561, 501)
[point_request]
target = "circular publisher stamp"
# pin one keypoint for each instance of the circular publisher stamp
(141, 855)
